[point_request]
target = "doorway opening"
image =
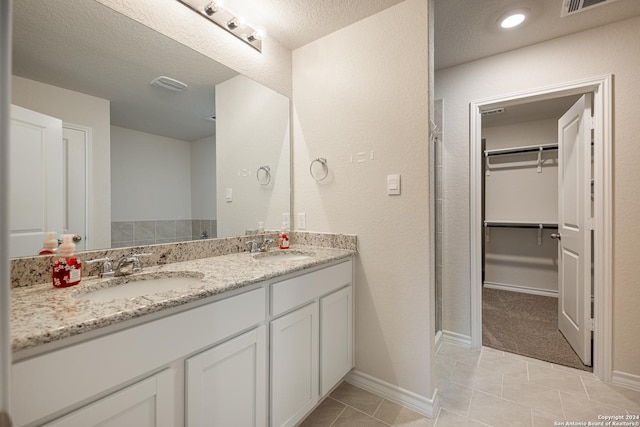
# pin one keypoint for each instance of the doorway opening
(584, 299)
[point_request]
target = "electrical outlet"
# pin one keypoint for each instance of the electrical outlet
(302, 221)
(286, 219)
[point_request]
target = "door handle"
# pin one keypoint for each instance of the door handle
(556, 236)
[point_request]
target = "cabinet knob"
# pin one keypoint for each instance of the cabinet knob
(556, 236)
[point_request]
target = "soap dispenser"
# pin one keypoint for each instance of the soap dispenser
(284, 237)
(50, 245)
(67, 269)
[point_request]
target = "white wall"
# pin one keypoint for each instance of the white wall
(151, 176)
(515, 191)
(603, 50)
(252, 130)
(365, 89)
(272, 67)
(84, 110)
(203, 178)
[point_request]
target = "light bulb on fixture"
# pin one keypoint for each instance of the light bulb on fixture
(258, 34)
(211, 8)
(232, 23)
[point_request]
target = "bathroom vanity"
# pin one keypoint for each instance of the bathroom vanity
(254, 341)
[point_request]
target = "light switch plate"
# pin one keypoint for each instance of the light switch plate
(393, 184)
(229, 196)
(302, 221)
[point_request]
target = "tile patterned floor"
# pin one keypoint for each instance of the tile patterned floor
(487, 388)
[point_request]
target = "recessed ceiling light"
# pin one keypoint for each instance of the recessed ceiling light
(513, 19)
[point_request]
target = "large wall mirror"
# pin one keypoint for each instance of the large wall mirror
(98, 151)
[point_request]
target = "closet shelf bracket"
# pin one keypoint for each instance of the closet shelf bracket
(540, 228)
(539, 168)
(487, 165)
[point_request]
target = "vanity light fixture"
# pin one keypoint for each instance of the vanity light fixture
(216, 13)
(513, 19)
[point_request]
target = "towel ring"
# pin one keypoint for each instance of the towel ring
(325, 167)
(266, 176)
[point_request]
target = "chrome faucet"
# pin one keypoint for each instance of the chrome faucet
(107, 268)
(129, 264)
(259, 247)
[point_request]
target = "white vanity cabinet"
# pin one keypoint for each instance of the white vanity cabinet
(336, 338)
(294, 365)
(311, 340)
(258, 357)
(94, 373)
(147, 403)
(226, 385)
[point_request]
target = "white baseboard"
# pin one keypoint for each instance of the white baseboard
(626, 380)
(409, 399)
(521, 289)
(456, 338)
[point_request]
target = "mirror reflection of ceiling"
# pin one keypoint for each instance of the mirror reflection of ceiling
(89, 48)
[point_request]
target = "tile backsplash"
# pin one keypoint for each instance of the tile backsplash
(137, 233)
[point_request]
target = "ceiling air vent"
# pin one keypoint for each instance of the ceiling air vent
(571, 7)
(168, 83)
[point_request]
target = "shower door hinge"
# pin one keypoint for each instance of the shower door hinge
(590, 324)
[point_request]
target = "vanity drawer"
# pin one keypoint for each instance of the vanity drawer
(298, 290)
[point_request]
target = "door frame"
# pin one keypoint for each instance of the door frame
(87, 233)
(601, 87)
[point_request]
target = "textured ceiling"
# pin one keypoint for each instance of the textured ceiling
(89, 48)
(466, 30)
(295, 23)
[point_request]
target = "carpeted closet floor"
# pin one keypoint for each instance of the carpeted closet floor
(526, 324)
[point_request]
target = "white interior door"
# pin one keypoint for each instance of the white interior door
(574, 253)
(36, 180)
(75, 144)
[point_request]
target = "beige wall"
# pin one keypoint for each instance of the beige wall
(608, 49)
(271, 68)
(365, 89)
(150, 176)
(83, 110)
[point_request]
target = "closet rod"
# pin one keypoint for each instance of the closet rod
(523, 149)
(520, 224)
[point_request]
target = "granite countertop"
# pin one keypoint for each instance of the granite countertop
(42, 314)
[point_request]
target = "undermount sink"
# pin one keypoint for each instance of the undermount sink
(282, 256)
(139, 285)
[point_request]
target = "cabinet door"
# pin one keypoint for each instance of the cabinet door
(294, 365)
(146, 403)
(226, 385)
(336, 338)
